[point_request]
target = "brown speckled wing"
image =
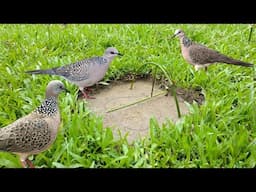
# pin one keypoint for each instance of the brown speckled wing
(200, 54)
(25, 136)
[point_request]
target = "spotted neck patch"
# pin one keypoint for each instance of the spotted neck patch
(186, 41)
(49, 107)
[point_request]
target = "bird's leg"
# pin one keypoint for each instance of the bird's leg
(23, 163)
(30, 164)
(88, 89)
(86, 96)
(27, 163)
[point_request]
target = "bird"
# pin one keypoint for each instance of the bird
(84, 73)
(35, 132)
(201, 56)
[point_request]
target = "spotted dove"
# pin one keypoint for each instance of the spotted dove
(36, 131)
(201, 56)
(84, 73)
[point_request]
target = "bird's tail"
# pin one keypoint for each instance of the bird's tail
(44, 71)
(235, 62)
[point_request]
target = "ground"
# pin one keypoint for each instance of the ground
(135, 118)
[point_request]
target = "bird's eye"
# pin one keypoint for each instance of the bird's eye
(112, 52)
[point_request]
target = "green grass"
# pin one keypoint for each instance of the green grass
(220, 133)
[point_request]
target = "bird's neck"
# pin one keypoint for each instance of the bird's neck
(186, 42)
(108, 59)
(48, 107)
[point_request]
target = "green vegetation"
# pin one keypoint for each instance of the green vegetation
(220, 133)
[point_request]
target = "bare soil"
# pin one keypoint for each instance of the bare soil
(135, 118)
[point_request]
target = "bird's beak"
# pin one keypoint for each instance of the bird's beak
(119, 54)
(173, 36)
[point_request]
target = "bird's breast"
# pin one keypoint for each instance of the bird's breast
(185, 54)
(54, 124)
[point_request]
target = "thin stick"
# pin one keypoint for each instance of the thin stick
(173, 90)
(153, 82)
(132, 82)
(139, 101)
(171, 82)
(250, 34)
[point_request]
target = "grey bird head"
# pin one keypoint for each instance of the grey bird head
(111, 52)
(54, 88)
(178, 33)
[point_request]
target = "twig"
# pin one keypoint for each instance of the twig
(250, 34)
(132, 82)
(171, 82)
(139, 101)
(153, 82)
(173, 90)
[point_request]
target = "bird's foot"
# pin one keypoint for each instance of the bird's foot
(30, 164)
(86, 96)
(88, 89)
(27, 164)
(23, 164)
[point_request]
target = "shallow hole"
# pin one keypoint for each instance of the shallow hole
(135, 118)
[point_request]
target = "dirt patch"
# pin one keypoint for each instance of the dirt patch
(134, 119)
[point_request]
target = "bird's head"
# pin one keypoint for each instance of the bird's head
(54, 88)
(178, 33)
(112, 52)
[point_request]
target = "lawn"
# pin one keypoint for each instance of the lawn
(219, 134)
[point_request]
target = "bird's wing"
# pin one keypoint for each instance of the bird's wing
(202, 55)
(25, 136)
(75, 71)
(80, 70)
